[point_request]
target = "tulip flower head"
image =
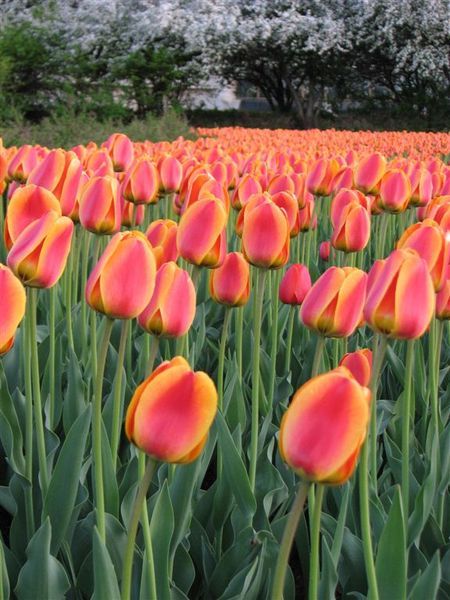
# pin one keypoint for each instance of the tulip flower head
(100, 209)
(230, 283)
(171, 412)
(323, 429)
(359, 363)
(295, 284)
(162, 235)
(12, 307)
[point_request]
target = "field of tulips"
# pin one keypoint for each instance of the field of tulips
(224, 367)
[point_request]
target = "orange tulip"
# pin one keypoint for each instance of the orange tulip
(295, 284)
(100, 209)
(443, 299)
(27, 204)
(324, 251)
(359, 363)
(245, 189)
(171, 412)
(352, 232)
(321, 175)
(395, 191)
(162, 235)
(131, 211)
(421, 186)
(22, 163)
(334, 305)
(429, 241)
(369, 172)
(265, 233)
(400, 295)
(141, 182)
(323, 429)
(170, 174)
(122, 283)
(288, 202)
(171, 309)
(201, 234)
(120, 149)
(230, 283)
(39, 254)
(12, 307)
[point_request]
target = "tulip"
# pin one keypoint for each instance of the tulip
(324, 251)
(443, 299)
(400, 295)
(171, 412)
(322, 431)
(352, 232)
(132, 214)
(162, 235)
(429, 241)
(342, 199)
(265, 233)
(141, 182)
(99, 164)
(12, 307)
(100, 209)
(22, 163)
(369, 172)
(321, 175)
(39, 254)
(230, 283)
(171, 309)
(27, 204)
(246, 188)
(395, 191)
(422, 188)
(288, 202)
(334, 305)
(122, 282)
(170, 174)
(201, 234)
(359, 363)
(120, 149)
(295, 284)
(307, 217)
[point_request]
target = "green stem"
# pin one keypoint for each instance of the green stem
(290, 330)
(274, 331)
(154, 345)
(68, 290)
(257, 319)
(223, 343)
(378, 352)
(320, 344)
(132, 529)
(86, 243)
(38, 418)
(288, 538)
(315, 543)
(117, 393)
(51, 356)
(93, 316)
(406, 421)
(27, 351)
(239, 318)
(146, 529)
(97, 430)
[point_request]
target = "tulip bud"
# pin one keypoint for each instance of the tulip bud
(265, 233)
(12, 307)
(22, 163)
(162, 235)
(201, 234)
(352, 232)
(395, 191)
(369, 172)
(100, 209)
(122, 282)
(321, 175)
(171, 412)
(323, 429)
(230, 283)
(170, 174)
(39, 254)
(141, 182)
(421, 187)
(400, 295)
(334, 305)
(307, 217)
(295, 284)
(27, 204)
(247, 187)
(428, 240)
(359, 363)
(324, 251)
(120, 149)
(288, 202)
(171, 309)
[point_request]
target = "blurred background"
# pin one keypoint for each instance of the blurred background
(73, 70)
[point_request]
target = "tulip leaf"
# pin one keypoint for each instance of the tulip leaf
(391, 556)
(10, 431)
(427, 584)
(105, 579)
(62, 491)
(234, 469)
(42, 576)
(161, 529)
(109, 477)
(74, 400)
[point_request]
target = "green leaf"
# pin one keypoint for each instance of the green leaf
(161, 529)
(391, 556)
(5, 587)
(74, 400)
(329, 575)
(427, 584)
(10, 431)
(234, 469)
(105, 579)
(42, 576)
(62, 491)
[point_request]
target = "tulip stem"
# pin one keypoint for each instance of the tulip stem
(223, 343)
(97, 430)
(28, 426)
(68, 290)
(287, 540)
(93, 315)
(315, 542)
(290, 330)
(406, 420)
(320, 344)
(132, 529)
(153, 351)
(258, 299)
(38, 418)
(379, 351)
(146, 528)
(51, 355)
(239, 314)
(86, 243)
(117, 393)
(274, 331)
